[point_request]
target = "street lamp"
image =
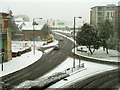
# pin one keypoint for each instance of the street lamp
(48, 24)
(74, 42)
(34, 23)
(48, 21)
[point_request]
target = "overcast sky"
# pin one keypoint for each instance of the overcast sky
(63, 10)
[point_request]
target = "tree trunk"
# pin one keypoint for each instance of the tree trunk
(103, 48)
(94, 50)
(90, 50)
(107, 50)
(104, 43)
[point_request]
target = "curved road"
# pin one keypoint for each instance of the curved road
(106, 80)
(46, 63)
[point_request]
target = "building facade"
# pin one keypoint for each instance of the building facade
(99, 14)
(5, 37)
(117, 20)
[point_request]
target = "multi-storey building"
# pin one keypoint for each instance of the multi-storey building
(5, 37)
(117, 20)
(99, 14)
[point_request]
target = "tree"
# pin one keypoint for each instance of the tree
(88, 36)
(13, 27)
(45, 30)
(106, 31)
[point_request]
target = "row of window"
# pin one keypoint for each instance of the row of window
(112, 14)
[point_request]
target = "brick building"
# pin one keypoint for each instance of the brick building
(5, 37)
(30, 34)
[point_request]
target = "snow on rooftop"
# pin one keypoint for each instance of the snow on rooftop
(29, 26)
(3, 11)
(19, 19)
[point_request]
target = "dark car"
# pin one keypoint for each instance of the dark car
(56, 47)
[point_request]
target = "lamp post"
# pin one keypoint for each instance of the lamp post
(74, 43)
(48, 25)
(1, 46)
(34, 23)
(48, 21)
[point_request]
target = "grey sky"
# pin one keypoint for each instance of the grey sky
(60, 9)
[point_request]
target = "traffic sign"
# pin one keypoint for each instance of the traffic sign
(60, 23)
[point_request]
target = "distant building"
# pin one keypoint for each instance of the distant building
(117, 19)
(30, 34)
(5, 39)
(99, 14)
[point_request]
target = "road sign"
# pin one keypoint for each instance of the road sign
(60, 23)
(73, 56)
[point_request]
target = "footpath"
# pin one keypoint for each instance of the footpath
(82, 70)
(26, 59)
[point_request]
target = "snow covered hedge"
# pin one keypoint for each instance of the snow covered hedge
(43, 82)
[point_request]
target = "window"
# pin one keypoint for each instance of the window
(108, 14)
(116, 14)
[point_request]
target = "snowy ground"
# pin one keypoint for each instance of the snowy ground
(26, 59)
(99, 54)
(113, 55)
(20, 62)
(51, 44)
(64, 31)
(78, 74)
(90, 69)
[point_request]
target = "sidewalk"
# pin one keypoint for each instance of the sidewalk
(26, 59)
(90, 69)
(99, 54)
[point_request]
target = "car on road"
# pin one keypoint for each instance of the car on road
(56, 47)
(61, 39)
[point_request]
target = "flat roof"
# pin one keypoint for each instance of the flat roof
(98, 6)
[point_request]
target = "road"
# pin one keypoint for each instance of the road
(45, 64)
(108, 80)
(49, 61)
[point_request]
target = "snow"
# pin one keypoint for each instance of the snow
(80, 74)
(21, 62)
(89, 70)
(19, 19)
(43, 82)
(99, 54)
(48, 50)
(51, 44)
(63, 31)
(26, 59)
(29, 26)
(65, 36)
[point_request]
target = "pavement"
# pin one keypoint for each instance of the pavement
(90, 68)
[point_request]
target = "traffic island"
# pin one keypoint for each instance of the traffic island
(44, 82)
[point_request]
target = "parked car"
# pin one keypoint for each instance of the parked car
(56, 47)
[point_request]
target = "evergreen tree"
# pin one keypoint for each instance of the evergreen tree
(45, 30)
(106, 31)
(88, 36)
